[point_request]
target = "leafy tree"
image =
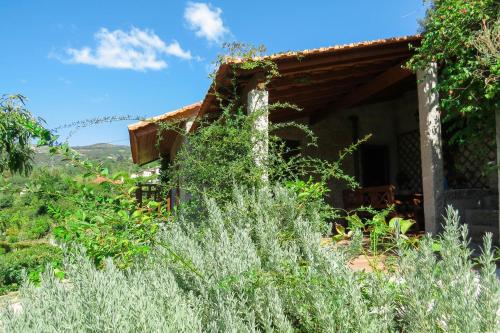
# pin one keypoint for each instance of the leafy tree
(18, 128)
(462, 37)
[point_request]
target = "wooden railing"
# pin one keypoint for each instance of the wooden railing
(409, 206)
(378, 197)
(154, 192)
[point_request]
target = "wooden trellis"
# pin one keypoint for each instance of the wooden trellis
(466, 166)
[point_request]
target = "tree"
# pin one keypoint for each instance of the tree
(18, 129)
(462, 36)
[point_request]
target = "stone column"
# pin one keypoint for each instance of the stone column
(431, 148)
(258, 105)
(497, 121)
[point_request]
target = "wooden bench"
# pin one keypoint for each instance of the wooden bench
(378, 197)
(409, 206)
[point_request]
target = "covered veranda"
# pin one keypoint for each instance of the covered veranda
(345, 93)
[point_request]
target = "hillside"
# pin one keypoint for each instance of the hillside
(105, 151)
(115, 156)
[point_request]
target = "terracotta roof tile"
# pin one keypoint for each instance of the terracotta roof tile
(341, 47)
(181, 113)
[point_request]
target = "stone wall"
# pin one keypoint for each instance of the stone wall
(478, 208)
(383, 120)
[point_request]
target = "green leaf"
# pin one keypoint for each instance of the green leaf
(132, 189)
(153, 204)
(437, 246)
(59, 273)
(354, 222)
(337, 238)
(340, 229)
(136, 213)
(403, 224)
(98, 219)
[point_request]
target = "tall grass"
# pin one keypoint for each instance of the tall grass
(256, 264)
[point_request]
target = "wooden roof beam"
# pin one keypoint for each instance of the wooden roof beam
(379, 83)
(291, 115)
(334, 88)
(284, 82)
(330, 61)
(339, 61)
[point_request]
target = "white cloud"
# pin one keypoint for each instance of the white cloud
(206, 21)
(175, 49)
(137, 50)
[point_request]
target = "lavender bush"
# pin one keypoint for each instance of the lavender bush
(256, 264)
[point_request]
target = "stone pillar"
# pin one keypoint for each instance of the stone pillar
(431, 148)
(497, 121)
(258, 105)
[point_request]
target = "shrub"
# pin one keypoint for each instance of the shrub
(106, 220)
(18, 128)
(256, 264)
(33, 258)
(6, 200)
(23, 225)
(35, 228)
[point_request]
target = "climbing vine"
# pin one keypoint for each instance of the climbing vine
(462, 36)
(220, 154)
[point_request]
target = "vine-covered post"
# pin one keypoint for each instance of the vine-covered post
(497, 122)
(258, 105)
(430, 147)
(184, 195)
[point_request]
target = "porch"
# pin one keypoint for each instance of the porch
(389, 167)
(347, 92)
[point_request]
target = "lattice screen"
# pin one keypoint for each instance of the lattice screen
(466, 166)
(409, 165)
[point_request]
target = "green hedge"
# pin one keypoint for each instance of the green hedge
(33, 259)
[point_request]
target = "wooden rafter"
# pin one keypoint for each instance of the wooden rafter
(341, 60)
(334, 87)
(284, 82)
(287, 115)
(379, 83)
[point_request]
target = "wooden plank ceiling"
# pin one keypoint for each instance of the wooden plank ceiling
(330, 79)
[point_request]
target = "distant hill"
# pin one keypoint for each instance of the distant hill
(105, 151)
(109, 154)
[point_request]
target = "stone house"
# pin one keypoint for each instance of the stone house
(349, 91)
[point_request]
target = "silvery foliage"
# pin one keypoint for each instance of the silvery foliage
(256, 264)
(449, 295)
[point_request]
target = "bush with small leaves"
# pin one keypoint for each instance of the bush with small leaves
(256, 264)
(31, 258)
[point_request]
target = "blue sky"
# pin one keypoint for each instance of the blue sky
(77, 60)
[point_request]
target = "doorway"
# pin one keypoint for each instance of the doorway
(374, 165)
